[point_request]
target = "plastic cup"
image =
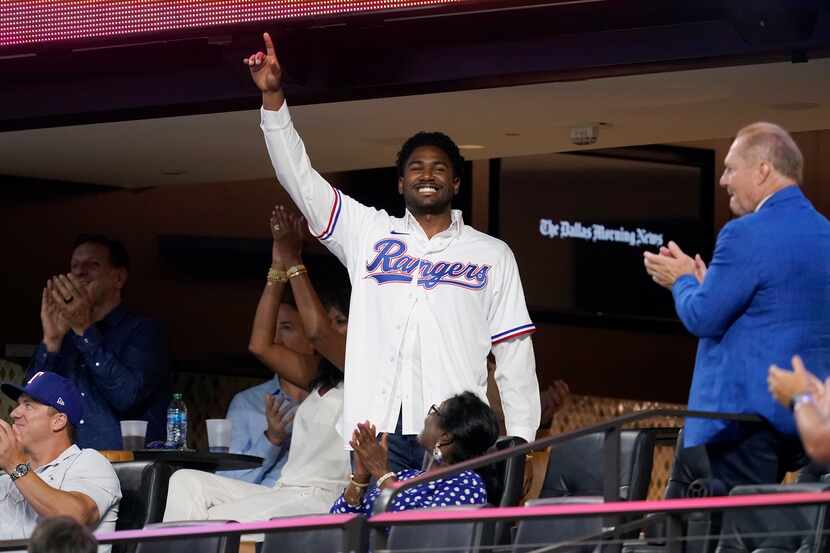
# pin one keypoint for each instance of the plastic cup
(133, 434)
(219, 435)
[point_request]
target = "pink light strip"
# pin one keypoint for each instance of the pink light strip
(39, 21)
(207, 529)
(435, 515)
(611, 508)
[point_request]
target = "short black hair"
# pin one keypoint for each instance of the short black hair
(119, 258)
(471, 423)
(62, 535)
(436, 139)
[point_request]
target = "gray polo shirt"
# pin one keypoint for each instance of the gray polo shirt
(75, 470)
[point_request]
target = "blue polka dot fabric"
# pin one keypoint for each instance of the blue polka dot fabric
(466, 488)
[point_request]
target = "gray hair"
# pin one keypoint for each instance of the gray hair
(769, 142)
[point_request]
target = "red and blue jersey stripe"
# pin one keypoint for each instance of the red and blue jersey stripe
(513, 333)
(333, 217)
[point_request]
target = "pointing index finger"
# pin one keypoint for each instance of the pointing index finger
(269, 44)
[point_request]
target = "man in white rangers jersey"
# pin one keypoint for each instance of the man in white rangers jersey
(431, 296)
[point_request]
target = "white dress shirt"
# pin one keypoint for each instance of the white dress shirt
(424, 312)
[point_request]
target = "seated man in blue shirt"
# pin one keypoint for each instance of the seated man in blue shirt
(261, 418)
(117, 360)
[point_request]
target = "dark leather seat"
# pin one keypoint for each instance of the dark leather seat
(791, 528)
(697, 526)
(207, 544)
(505, 484)
(143, 496)
(537, 533)
(330, 540)
(575, 475)
(575, 466)
(143, 493)
(455, 537)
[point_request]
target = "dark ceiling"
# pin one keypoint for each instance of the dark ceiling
(487, 44)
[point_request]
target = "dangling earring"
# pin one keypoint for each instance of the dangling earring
(437, 454)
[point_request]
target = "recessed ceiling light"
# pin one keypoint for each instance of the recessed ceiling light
(470, 147)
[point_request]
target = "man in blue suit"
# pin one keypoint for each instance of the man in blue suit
(764, 298)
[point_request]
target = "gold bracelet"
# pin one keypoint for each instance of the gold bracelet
(358, 484)
(296, 270)
(384, 478)
(275, 275)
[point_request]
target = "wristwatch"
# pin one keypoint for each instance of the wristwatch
(20, 470)
(800, 399)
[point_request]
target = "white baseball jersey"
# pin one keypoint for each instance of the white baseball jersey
(424, 313)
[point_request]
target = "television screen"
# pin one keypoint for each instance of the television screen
(579, 224)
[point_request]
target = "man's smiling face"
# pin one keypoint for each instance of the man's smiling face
(429, 183)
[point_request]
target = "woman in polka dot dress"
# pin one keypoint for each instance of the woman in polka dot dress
(461, 428)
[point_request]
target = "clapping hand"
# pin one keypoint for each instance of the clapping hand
(669, 264)
(73, 301)
(784, 384)
(700, 266)
(287, 232)
(11, 450)
(55, 326)
(279, 421)
(373, 457)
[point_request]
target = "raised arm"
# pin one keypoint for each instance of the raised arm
(333, 218)
(290, 365)
(126, 374)
(315, 197)
(317, 324)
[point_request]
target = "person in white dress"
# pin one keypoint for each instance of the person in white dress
(309, 356)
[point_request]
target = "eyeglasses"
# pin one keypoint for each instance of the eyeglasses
(433, 410)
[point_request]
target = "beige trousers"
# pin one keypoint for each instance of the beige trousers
(197, 495)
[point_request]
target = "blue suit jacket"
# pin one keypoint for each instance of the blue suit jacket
(766, 297)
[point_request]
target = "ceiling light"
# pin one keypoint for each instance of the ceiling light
(470, 147)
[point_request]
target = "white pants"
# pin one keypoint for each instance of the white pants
(197, 495)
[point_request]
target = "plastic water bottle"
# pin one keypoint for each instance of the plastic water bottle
(177, 423)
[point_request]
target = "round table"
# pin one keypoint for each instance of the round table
(199, 460)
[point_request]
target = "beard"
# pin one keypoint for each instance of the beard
(417, 207)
